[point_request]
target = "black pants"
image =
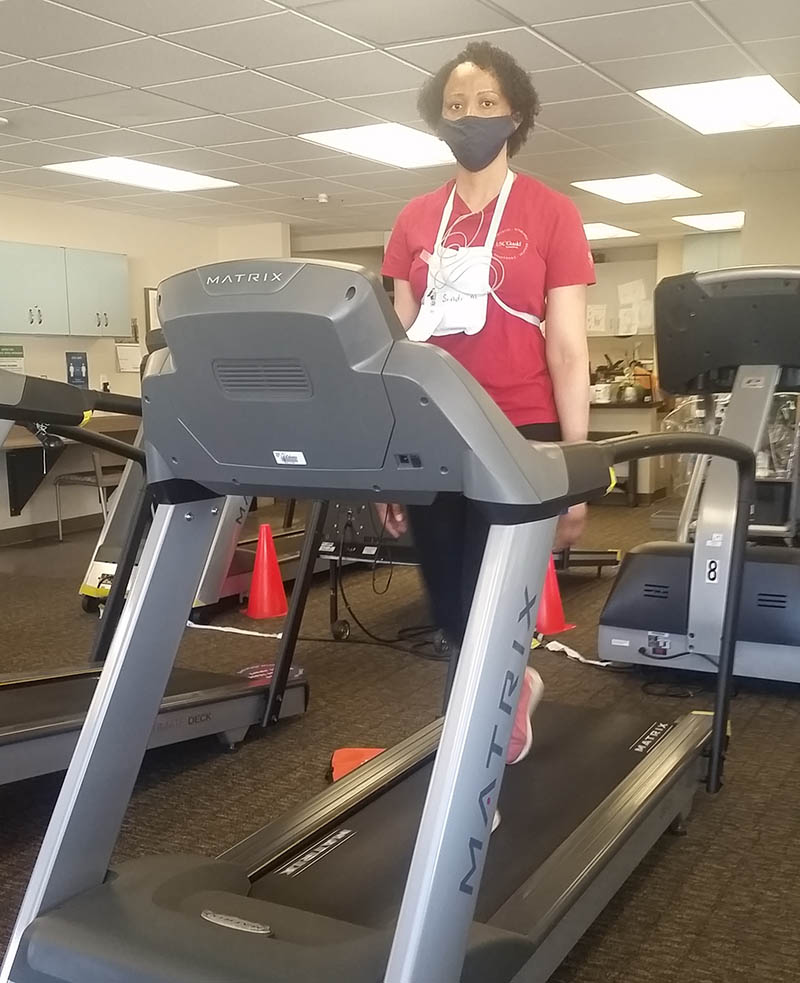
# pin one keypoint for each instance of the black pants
(450, 538)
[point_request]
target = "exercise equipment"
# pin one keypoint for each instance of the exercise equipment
(736, 332)
(229, 567)
(291, 377)
(41, 714)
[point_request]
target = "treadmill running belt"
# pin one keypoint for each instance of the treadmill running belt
(579, 756)
(67, 697)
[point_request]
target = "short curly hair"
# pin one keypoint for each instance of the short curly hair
(514, 81)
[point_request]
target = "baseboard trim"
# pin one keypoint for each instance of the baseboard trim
(49, 530)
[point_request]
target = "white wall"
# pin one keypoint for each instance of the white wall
(155, 249)
(771, 234)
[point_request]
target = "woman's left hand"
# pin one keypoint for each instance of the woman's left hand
(570, 527)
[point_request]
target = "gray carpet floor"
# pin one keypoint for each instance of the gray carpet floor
(721, 905)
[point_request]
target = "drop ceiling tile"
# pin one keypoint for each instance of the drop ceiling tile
(791, 83)
(351, 75)
(7, 59)
(144, 62)
(119, 143)
(341, 165)
(397, 107)
(589, 112)
(660, 30)
(284, 149)
(195, 159)
(235, 93)
(208, 131)
(37, 178)
(777, 57)
(308, 118)
(531, 52)
(543, 141)
(276, 39)
(6, 141)
(575, 82)
(648, 131)
(545, 11)
(412, 20)
(162, 16)
(679, 67)
(130, 107)
(43, 194)
(400, 180)
(35, 29)
(34, 83)
(254, 174)
(46, 124)
(300, 187)
(237, 196)
(88, 190)
(571, 165)
(749, 22)
(8, 104)
(7, 165)
(172, 201)
(33, 154)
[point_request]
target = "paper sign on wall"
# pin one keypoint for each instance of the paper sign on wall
(628, 321)
(78, 369)
(12, 358)
(631, 293)
(596, 319)
(129, 358)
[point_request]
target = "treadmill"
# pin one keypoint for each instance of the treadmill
(292, 377)
(229, 568)
(41, 714)
(730, 331)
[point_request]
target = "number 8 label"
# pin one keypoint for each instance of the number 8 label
(712, 571)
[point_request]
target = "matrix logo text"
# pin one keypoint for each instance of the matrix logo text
(269, 277)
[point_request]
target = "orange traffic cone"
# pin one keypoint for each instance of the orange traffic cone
(550, 619)
(267, 597)
(347, 759)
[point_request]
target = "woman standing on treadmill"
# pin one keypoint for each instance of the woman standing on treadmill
(478, 265)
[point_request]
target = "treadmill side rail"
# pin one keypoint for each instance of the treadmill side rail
(745, 420)
(451, 845)
(79, 841)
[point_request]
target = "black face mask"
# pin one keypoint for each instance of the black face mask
(476, 140)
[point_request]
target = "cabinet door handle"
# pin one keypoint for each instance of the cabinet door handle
(39, 310)
(30, 315)
(98, 319)
(105, 317)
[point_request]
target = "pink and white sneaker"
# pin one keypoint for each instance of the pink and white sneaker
(522, 733)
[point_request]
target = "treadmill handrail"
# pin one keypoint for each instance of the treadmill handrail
(30, 399)
(654, 445)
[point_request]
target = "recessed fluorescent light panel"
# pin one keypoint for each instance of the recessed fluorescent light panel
(139, 174)
(388, 143)
(755, 103)
(599, 230)
(641, 187)
(715, 222)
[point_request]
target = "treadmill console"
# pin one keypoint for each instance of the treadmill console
(708, 324)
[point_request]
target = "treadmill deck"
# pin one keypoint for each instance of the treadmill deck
(579, 758)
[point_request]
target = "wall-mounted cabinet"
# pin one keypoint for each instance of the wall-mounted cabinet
(97, 293)
(33, 289)
(49, 290)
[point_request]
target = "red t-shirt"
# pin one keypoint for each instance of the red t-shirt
(541, 244)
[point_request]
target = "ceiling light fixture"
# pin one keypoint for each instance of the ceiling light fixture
(728, 105)
(713, 222)
(640, 187)
(388, 143)
(600, 230)
(139, 174)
